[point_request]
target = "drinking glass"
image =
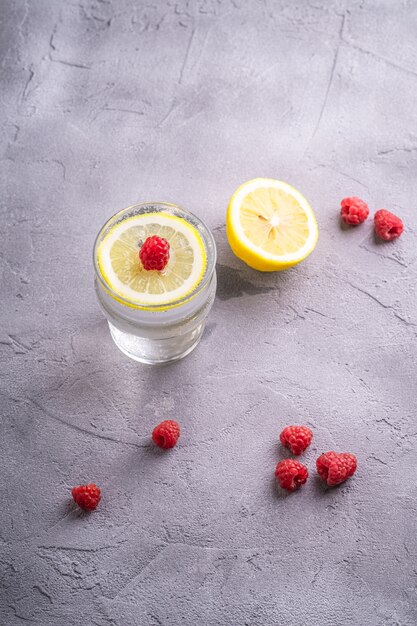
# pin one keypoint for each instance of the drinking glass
(163, 332)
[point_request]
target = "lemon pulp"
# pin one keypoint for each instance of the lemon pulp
(270, 225)
(120, 266)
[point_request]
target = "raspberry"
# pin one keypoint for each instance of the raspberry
(335, 468)
(86, 496)
(387, 225)
(291, 474)
(166, 434)
(154, 253)
(296, 438)
(354, 211)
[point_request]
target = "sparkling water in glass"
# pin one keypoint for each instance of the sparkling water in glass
(158, 333)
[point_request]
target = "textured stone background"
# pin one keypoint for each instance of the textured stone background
(109, 102)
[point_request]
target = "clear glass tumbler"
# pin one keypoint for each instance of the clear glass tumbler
(163, 332)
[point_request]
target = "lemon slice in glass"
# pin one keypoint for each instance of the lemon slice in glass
(270, 225)
(120, 266)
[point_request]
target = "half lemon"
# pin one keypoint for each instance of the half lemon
(120, 266)
(270, 225)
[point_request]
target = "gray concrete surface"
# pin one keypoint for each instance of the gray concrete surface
(105, 103)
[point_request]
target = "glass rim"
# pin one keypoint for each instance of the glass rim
(211, 262)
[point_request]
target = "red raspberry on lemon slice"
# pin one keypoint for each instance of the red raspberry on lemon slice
(166, 434)
(291, 474)
(334, 468)
(86, 496)
(154, 253)
(296, 438)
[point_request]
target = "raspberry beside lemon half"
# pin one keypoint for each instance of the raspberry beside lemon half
(270, 225)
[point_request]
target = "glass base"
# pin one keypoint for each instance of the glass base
(156, 351)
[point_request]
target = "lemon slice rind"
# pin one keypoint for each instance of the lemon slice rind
(123, 292)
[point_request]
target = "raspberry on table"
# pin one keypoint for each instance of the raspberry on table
(154, 253)
(296, 438)
(166, 434)
(353, 211)
(86, 496)
(291, 474)
(387, 225)
(334, 468)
